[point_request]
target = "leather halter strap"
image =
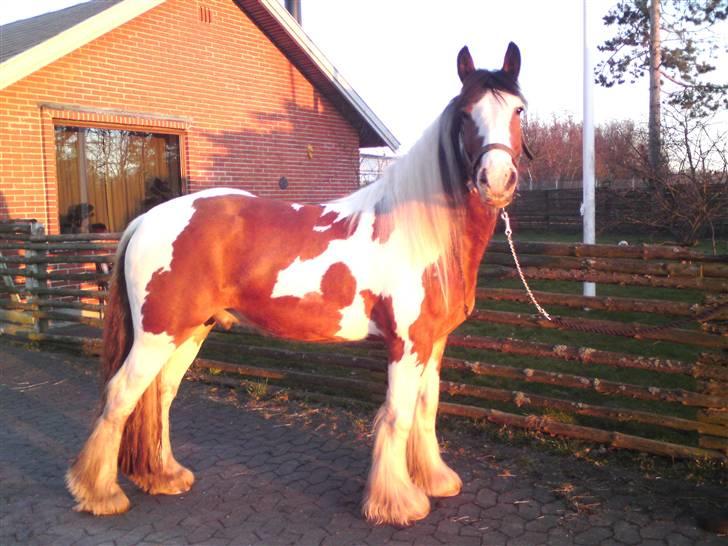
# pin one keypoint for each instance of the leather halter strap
(472, 162)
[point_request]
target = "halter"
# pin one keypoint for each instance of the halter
(471, 163)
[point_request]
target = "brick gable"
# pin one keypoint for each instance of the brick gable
(246, 115)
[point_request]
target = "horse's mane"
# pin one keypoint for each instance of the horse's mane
(421, 195)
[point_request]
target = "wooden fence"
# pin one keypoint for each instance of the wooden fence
(560, 209)
(619, 369)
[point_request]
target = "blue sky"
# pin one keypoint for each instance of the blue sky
(399, 55)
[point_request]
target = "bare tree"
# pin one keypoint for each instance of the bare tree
(690, 194)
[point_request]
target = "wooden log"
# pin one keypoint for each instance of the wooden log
(15, 272)
(13, 305)
(601, 386)
(17, 317)
(601, 303)
(308, 379)
(604, 327)
(550, 426)
(308, 357)
(43, 274)
(59, 259)
(714, 415)
(698, 283)
(60, 247)
(75, 237)
(583, 355)
(89, 346)
(643, 251)
(60, 292)
(55, 304)
(69, 317)
(711, 442)
(38, 274)
(88, 276)
(521, 399)
(15, 227)
(614, 265)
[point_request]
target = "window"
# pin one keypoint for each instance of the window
(106, 177)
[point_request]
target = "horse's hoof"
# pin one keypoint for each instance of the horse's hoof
(444, 483)
(401, 510)
(176, 484)
(175, 481)
(114, 503)
(97, 498)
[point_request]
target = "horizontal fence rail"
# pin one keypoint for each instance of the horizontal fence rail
(631, 368)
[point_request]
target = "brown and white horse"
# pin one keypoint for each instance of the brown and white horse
(397, 261)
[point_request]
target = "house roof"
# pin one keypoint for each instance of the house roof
(28, 45)
(17, 37)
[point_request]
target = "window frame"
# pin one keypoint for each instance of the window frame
(120, 127)
(52, 114)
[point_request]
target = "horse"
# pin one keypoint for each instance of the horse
(396, 261)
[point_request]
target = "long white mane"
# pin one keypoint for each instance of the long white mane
(411, 198)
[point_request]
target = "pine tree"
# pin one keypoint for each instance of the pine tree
(670, 40)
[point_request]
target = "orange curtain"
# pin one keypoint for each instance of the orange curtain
(106, 177)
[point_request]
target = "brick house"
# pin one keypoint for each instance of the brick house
(110, 106)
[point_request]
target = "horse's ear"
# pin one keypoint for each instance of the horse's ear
(512, 61)
(465, 63)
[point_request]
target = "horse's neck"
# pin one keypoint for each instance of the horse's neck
(478, 229)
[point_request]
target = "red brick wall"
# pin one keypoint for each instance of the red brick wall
(245, 113)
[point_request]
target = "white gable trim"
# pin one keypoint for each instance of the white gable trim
(276, 8)
(60, 45)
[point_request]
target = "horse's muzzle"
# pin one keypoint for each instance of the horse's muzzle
(498, 194)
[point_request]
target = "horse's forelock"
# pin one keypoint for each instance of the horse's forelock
(482, 81)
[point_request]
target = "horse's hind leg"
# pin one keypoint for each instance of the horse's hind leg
(92, 479)
(173, 478)
(426, 466)
(391, 497)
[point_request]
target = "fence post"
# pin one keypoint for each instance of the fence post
(547, 207)
(32, 283)
(717, 386)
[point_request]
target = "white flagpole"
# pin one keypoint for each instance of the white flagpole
(588, 182)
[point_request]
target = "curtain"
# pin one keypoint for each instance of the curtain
(106, 177)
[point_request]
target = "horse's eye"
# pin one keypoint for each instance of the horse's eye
(519, 110)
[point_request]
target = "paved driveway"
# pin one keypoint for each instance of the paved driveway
(273, 473)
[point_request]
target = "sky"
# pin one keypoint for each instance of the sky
(399, 55)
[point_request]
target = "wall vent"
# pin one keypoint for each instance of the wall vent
(205, 14)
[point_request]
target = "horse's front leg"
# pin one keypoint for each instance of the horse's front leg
(391, 497)
(426, 466)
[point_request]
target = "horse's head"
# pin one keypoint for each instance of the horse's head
(490, 106)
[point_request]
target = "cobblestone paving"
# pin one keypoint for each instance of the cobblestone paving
(277, 473)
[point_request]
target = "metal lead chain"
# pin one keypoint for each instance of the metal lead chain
(509, 233)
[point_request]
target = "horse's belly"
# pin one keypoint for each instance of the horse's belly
(310, 318)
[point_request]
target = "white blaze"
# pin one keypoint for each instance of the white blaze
(492, 115)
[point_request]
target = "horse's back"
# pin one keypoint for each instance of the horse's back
(226, 249)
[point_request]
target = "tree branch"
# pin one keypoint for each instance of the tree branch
(678, 82)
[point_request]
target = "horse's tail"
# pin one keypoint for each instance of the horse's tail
(140, 450)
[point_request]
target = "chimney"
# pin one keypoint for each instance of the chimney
(294, 8)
